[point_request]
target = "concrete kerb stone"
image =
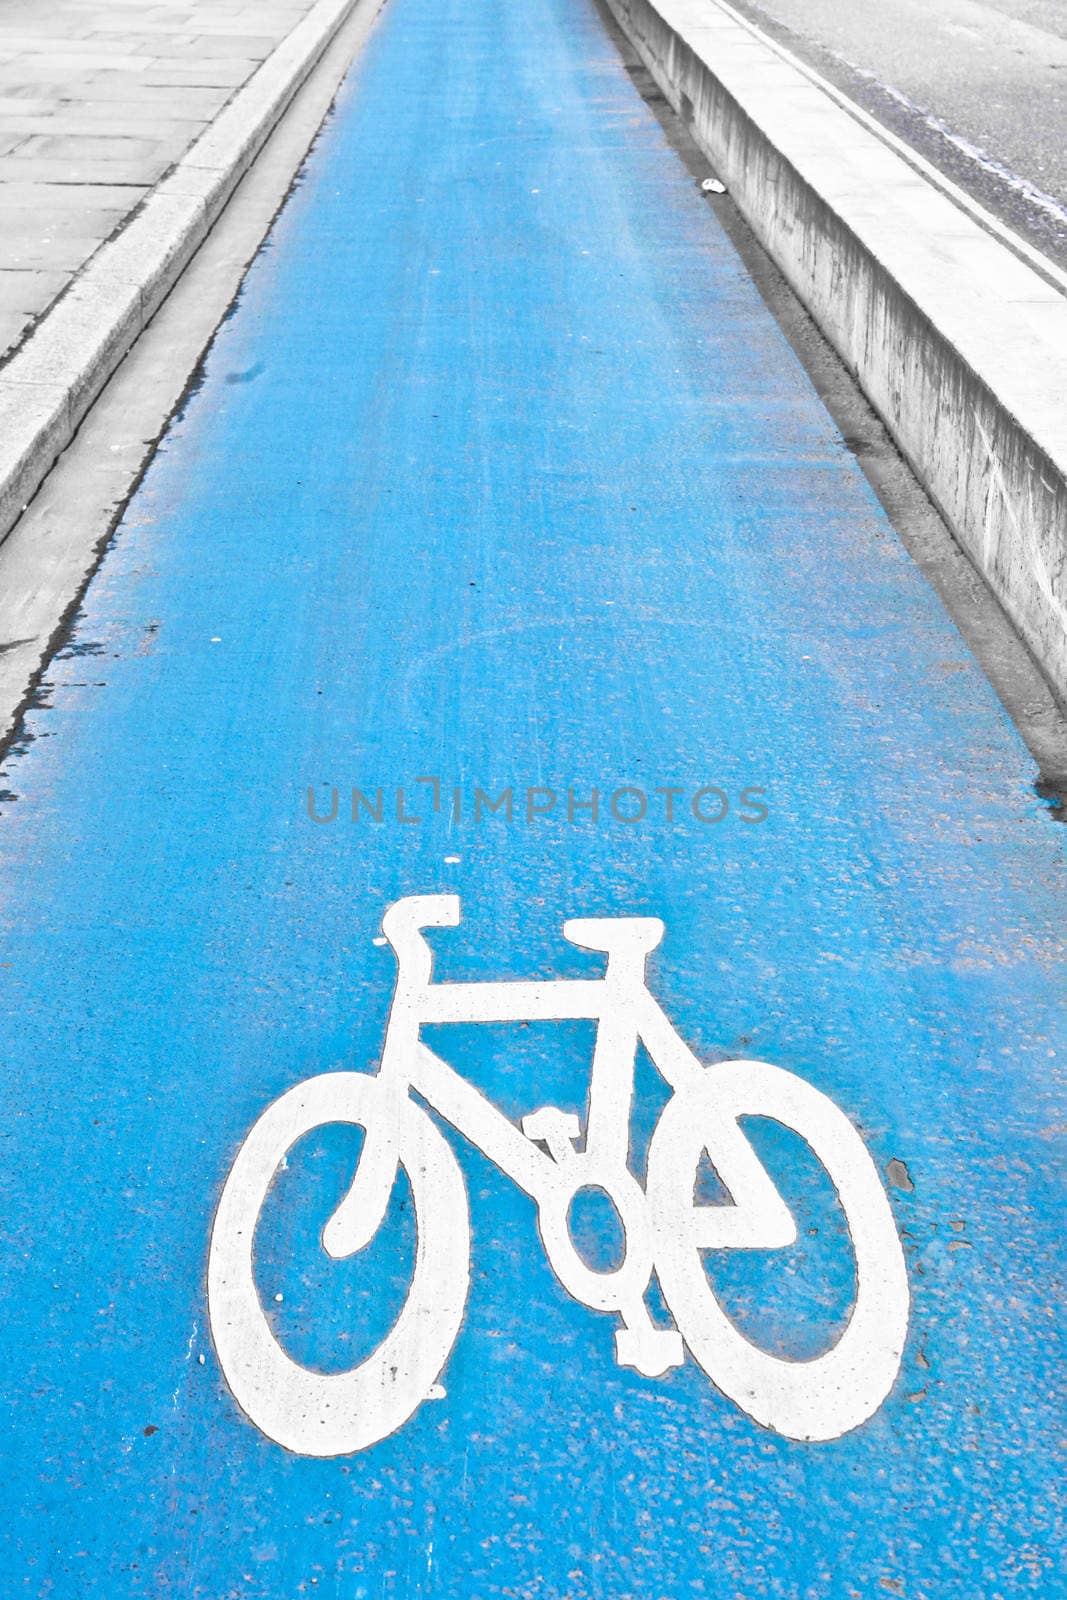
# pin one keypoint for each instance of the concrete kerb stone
(52, 380)
(947, 323)
(34, 424)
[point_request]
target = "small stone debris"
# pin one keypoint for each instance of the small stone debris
(899, 1176)
(713, 186)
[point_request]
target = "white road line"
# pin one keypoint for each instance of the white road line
(1036, 259)
(1022, 186)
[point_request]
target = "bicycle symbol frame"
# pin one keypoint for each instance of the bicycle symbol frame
(328, 1414)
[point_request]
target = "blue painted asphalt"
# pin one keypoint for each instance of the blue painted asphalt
(501, 471)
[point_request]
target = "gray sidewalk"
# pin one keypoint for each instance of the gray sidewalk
(97, 102)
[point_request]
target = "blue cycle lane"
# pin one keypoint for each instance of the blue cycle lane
(501, 474)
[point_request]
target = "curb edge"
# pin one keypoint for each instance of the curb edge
(54, 377)
(964, 367)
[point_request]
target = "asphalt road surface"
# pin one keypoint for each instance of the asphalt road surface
(980, 89)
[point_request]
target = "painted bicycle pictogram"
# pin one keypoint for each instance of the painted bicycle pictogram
(551, 1157)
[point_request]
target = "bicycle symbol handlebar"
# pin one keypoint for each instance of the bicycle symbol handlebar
(551, 1158)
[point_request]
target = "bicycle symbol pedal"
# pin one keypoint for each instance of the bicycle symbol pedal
(551, 1158)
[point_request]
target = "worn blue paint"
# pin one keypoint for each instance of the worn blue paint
(524, 485)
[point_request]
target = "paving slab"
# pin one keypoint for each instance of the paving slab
(13, 324)
(110, 94)
(203, 74)
(21, 167)
(63, 253)
(28, 290)
(67, 197)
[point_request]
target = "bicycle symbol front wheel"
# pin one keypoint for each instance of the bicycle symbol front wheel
(835, 1392)
(330, 1414)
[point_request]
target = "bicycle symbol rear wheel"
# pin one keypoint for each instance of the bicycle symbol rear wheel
(330, 1414)
(835, 1392)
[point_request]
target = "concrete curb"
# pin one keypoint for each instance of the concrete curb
(957, 341)
(52, 380)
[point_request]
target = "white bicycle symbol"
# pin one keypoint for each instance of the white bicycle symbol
(328, 1414)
